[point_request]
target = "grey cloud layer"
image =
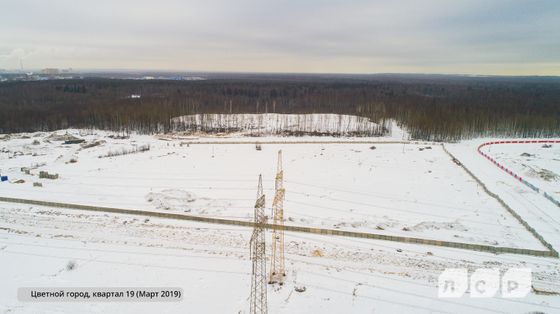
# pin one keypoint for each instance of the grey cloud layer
(486, 37)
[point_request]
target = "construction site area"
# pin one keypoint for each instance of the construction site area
(275, 224)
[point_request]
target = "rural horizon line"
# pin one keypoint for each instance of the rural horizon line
(139, 70)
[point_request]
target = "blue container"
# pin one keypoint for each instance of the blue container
(3, 178)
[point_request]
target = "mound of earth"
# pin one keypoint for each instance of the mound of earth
(171, 199)
(432, 225)
(63, 137)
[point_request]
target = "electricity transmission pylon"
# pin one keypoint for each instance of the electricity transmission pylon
(258, 256)
(277, 270)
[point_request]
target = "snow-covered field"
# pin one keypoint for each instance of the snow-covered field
(394, 189)
(211, 263)
(408, 190)
(540, 213)
(537, 163)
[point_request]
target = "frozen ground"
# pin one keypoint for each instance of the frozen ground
(211, 263)
(537, 163)
(540, 213)
(394, 189)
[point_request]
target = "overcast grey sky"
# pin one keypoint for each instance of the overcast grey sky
(429, 36)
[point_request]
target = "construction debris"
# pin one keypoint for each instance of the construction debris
(92, 144)
(64, 137)
(46, 175)
(300, 288)
(76, 141)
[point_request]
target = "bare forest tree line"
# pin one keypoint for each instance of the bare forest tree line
(280, 124)
(430, 108)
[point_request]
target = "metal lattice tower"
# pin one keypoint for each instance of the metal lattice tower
(258, 256)
(277, 270)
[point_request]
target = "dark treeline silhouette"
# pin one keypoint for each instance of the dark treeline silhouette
(430, 107)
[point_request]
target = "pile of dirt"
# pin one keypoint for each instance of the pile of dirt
(63, 137)
(92, 144)
(171, 199)
(433, 225)
(317, 253)
(544, 174)
(548, 175)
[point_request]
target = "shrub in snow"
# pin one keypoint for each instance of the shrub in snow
(126, 151)
(299, 288)
(317, 253)
(71, 265)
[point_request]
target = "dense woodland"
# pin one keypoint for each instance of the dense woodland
(430, 107)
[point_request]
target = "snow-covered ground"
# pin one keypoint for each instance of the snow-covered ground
(394, 189)
(211, 263)
(537, 163)
(540, 213)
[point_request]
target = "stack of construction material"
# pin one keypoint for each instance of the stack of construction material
(46, 175)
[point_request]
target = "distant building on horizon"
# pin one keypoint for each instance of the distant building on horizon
(50, 71)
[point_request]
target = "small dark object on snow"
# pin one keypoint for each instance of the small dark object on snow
(429, 253)
(547, 146)
(92, 144)
(46, 175)
(405, 229)
(76, 141)
(19, 181)
(258, 147)
(527, 155)
(372, 147)
(428, 147)
(71, 265)
(299, 288)
(399, 250)
(3, 178)
(38, 184)
(119, 137)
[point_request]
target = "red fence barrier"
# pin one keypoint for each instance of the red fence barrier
(509, 171)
